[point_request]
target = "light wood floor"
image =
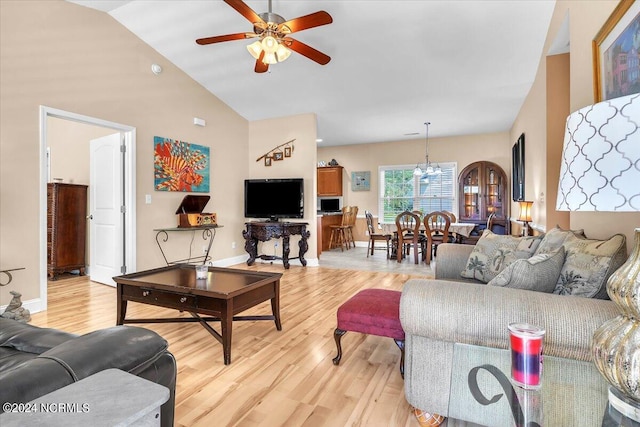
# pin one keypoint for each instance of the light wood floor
(276, 378)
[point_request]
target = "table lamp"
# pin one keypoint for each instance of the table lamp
(525, 216)
(600, 171)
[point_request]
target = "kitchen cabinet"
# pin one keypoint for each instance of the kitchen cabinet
(330, 181)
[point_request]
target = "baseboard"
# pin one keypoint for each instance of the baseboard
(226, 262)
(33, 305)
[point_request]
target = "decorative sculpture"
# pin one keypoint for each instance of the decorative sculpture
(15, 310)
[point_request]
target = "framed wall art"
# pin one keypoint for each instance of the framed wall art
(360, 181)
(180, 166)
(616, 58)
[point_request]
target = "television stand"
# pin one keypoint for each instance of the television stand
(264, 231)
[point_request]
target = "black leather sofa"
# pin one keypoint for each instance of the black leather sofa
(36, 361)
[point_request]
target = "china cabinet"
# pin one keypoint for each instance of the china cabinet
(483, 191)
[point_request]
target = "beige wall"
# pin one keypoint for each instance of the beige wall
(585, 20)
(368, 157)
(558, 98)
(76, 59)
(68, 142)
(264, 136)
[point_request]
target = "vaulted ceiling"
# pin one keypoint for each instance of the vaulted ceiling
(465, 66)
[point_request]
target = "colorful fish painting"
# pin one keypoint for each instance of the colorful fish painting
(180, 166)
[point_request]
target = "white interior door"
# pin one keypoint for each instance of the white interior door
(105, 209)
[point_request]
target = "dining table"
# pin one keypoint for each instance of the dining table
(459, 230)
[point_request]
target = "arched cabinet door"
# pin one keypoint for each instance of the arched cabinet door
(483, 190)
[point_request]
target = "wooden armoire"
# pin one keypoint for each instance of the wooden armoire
(66, 228)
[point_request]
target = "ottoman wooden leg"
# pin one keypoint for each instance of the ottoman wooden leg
(337, 335)
(400, 344)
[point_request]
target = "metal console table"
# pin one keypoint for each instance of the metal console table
(208, 233)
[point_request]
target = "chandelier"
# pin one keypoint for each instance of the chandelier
(429, 169)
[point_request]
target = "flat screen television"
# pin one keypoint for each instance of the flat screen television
(517, 169)
(273, 199)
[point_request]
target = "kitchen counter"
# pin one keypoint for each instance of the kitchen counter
(325, 221)
(328, 213)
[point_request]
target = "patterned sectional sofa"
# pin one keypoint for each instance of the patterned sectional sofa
(557, 281)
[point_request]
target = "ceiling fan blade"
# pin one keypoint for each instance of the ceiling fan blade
(244, 10)
(305, 22)
(306, 50)
(225, 38)
(261, 67)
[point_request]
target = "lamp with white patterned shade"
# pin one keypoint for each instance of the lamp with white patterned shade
(600, 171)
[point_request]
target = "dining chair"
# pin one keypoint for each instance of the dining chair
(479, 230)
(408, 225)
(436, 226)
(374, 237)
(451, 215)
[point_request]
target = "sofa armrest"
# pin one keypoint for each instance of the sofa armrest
(479, 314)
(452, 260)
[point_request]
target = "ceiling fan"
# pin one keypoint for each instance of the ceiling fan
(274, 44)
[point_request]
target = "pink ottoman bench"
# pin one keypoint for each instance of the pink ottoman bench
(373, 312)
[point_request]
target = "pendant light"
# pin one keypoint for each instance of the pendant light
(429, 169)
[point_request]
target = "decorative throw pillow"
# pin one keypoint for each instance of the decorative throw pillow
(588, 265)
(554, 238)
(493, 252)
(538, 273)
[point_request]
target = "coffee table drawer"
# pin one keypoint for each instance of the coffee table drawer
(163, 298)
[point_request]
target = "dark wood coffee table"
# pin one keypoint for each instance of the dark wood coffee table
(225, 293)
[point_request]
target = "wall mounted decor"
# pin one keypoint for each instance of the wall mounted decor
(615, 53)
(180, 166)
(276, 153)
(361, 181)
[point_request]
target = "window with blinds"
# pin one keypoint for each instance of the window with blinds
(401, 190)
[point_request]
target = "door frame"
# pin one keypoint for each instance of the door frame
(129, 187)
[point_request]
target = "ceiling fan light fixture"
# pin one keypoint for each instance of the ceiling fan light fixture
(269, 44)
(282, 53)
(271, 30)
(255, 49)
(269, 58)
